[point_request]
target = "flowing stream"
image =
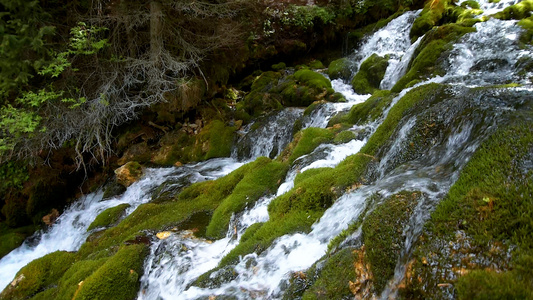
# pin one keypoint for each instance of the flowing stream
(176, 262)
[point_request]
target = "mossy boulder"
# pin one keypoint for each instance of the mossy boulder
(279, 66)
(486, 212)
(262, 178)
(340, 68)
(12, 238)
(118, 277)
(38, 275)
(425, 63)
(518, 11)
(109, 216)
(370, 74)
(304, 88)
(260, 98)
(431, 15)
(316, 64)
(215, 139)
(129, 173)
(344, 137)
(367, 111)
(304, 142)
(383, 235)
(332, 279)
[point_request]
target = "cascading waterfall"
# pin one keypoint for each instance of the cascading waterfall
(176, 262)
(267, 136)
(70, 230)
(171, 278)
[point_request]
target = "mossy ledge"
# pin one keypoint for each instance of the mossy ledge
(488, 209)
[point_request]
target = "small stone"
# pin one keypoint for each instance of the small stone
(129, 173)
(17, 280)
(163, 235)
(50, 218)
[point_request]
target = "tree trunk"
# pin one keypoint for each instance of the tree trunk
(156, 26)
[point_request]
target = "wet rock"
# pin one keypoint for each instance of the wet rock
(163, 235)
(113, 189)
(370, 74)
(363, 285)
(129, 173)
(50, 218)
(139, 240)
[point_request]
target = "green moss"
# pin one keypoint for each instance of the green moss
(397, 112)
(118, 277)
(263, 178)
(344, 137)
(109, 216)
(250, 231)
(316, 64)
(470, 3)
(69, 282)
(424, 65)
(279, 66)
(490, 204)
(518, 11)
(370, 74)
(482, 284)
(306, 141)
(527, 35)
(493, 175)
(39, 274)
(339, 68)
(298, 209)
(367, 111)
(260, 99)
(431, 15)
(334, 277)
(220, 139)
(382, 235)
(215, 139)
(12, 238)
(312, 79)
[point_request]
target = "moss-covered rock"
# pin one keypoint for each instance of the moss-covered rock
(118, 277)
(518, 11)
(38, 275)
(383, 235)
(12, 238)
(109, 216)
(484, 214)
(335, 277)
(215, 139)
(316, 64)
(340, 68)
(434, 44)
(279, 66)
(129, 173)
(370, 74)
(344, 137)
(367, 111)
(263, 178)
(305, 142)
(432, 15)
